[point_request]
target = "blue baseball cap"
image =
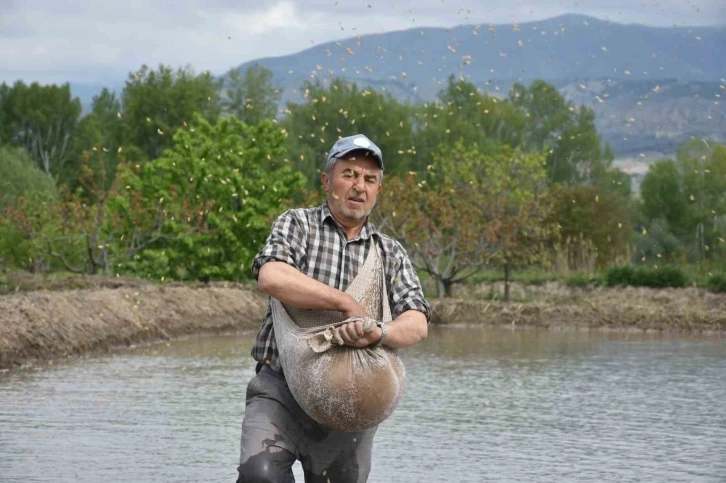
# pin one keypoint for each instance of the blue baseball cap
(356, 142)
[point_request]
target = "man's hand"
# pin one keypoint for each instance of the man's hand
(353, 309)
(352, 334)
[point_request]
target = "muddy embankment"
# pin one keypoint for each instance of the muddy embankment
(554, 304)
(47, 324)
(75, 319)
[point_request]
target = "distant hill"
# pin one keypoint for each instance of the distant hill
(668, 79)
(565, 47)
(651, 87)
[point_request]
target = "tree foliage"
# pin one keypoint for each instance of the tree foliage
(440, 228)
(686, 197)
(594, 230)
(468, 210)
(158, 102)
(22, 184)
(575, 151)
(203, 209)
(101, 130)
(662, 195)
(178, 177)
(19, 177)
(40, 119)
(342, 109)
(66, 230)
(250, 97)
(463, 113)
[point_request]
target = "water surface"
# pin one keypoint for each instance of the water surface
(482, 404)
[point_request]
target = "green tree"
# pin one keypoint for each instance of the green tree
(575, 149)
(703, 173)
(615, 182)
(657, 245)
(98, 131)
(19, 177)
(467, 210)
(251, 97)
(203, 209)
(21, 184)
(517, 209)
(7, 133)
(441, 228)
(594, 228)
(23, 230)
(689, 195)
(66, 231)
(463, 113)
(158, 102)
(342, 109)
(511, 185)
(42, 120)
(15, 250)
(663, 197)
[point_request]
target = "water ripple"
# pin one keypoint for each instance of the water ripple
(480, 405)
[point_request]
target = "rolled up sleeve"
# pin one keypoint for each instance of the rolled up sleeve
(406, 292)
(284, 244)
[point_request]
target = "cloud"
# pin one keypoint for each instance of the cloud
(88, 41)
(280, 16)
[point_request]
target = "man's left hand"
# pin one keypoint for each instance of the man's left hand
(352, 334)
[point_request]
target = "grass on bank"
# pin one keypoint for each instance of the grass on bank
(640, 276)
(661, 277)
(20, 281)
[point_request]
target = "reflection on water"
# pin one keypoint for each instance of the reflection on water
(481, 404)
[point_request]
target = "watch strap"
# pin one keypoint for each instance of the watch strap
(384, 331)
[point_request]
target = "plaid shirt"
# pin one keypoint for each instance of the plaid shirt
(312, 241)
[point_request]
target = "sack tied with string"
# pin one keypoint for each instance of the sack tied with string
(341, 387)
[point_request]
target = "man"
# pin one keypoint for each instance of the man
(309, 259)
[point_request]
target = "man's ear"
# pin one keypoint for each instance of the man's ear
(325, 179)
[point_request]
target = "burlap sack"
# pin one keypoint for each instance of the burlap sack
(341, 387)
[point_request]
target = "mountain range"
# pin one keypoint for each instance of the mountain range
(650, 87)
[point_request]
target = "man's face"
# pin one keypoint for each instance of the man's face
(353, 187)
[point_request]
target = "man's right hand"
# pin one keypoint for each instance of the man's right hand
(353, 309)
(290, 286)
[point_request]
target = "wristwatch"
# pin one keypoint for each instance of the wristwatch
(382, 325)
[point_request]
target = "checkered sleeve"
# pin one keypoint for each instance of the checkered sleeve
(405, 291)
(286, 243)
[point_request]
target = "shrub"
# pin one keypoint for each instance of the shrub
(583, 279)
(717, 283)
(19, 177)
(620, 276)
(646, 277)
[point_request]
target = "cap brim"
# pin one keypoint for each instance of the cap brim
(358, 148)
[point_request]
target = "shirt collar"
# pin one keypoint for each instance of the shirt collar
(368, 230)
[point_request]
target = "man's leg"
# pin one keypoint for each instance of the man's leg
(268, 446)
(339, 457)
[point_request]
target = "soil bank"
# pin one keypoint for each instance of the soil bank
(39, 325)
(48, 324)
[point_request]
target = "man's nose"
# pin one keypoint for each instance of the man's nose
(358, 183)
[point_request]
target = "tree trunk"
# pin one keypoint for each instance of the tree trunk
(440, 288)
(447, 288)
(506, 282)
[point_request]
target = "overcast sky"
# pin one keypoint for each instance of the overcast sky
(100, 41)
